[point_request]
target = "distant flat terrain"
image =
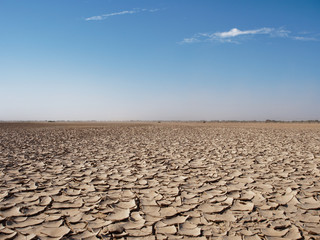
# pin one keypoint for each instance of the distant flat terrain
(150, 180)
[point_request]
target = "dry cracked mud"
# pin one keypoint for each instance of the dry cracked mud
(159, 181)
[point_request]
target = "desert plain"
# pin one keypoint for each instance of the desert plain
(153, 180)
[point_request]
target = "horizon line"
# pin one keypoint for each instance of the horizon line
(203, 120)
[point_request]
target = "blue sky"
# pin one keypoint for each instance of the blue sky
(159, 59)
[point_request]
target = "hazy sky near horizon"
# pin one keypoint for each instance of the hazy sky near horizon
(159, 59)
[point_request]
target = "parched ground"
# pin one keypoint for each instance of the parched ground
(159, 181)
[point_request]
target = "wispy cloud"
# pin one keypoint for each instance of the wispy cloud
(107, 15)
(235, 35)
(300, 38)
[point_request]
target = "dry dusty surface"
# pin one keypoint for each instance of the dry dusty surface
(159, 181)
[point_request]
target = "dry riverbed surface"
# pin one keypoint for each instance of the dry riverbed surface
(159, 181)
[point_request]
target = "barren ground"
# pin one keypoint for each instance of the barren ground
(159, 181)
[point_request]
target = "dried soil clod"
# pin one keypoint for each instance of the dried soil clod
(55, 232)
(119, 214)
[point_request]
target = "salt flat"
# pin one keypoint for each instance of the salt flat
(159, 181)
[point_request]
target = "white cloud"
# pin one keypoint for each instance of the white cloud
(104, 16)
(235, 35)
(236, 32)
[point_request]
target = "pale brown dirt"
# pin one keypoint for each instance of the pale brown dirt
(159, 181)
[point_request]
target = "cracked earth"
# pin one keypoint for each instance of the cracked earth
(160, 181)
